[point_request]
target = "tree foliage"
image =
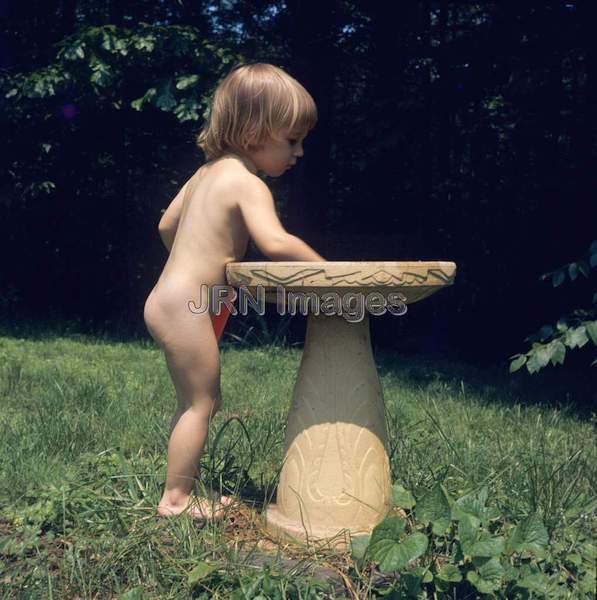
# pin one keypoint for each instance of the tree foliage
(573, 330)
(447, 130)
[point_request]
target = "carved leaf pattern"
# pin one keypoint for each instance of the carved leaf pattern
(336, 459)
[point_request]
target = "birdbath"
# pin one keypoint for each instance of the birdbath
(335, 478)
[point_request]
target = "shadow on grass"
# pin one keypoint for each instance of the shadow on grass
(46, 328)
(569, 387)
(252, 331)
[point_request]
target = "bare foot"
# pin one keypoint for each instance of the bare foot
(202, 509)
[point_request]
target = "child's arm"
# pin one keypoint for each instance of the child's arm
(259, 213)
(169, 222)
(292, 247)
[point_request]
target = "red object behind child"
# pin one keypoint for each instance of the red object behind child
(219, 321)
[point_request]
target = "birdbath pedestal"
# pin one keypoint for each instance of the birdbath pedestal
(335, 478)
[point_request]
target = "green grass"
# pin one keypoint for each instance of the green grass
(83, 438)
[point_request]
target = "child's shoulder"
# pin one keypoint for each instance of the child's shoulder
(230, 175)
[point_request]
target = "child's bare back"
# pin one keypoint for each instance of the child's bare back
(210, 233)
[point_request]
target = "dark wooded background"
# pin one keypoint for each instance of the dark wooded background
(460, 131)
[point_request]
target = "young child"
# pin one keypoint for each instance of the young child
(259, 119)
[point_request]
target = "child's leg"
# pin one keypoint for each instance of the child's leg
(193, 360)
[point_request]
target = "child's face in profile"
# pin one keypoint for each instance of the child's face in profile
(276, 156)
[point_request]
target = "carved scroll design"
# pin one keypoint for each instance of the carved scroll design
(289, 279)
(383, 277)
(359, 277)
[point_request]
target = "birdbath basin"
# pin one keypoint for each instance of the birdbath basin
(335, 478)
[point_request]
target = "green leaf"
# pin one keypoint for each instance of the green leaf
(389, 528)
(11, 93)
(414, 578)
(558, 352)
(186, 81)
(543, 353)
(488, 577)
(584, 268)
(485, 547)
(511, 573)
(539, 357)
(393, 555)
(401, 497)
(588, 552)
(200, 571)
(434, 507)
(135, 593)
(573, 271)
(101, 72)
(576, 338)
(75, 52)
(147, 97)
(575, 559)
(468, 527)
(358, 545)
(145, 43)
(593, 260)
(43, 83)
(586, 585)
(518, 363)
(535, 582)
(187, 110)
(529, 537)
(591, 329)
(108, 41)
(557, 278)
(474, 506)
(449, 573)
(114, 44)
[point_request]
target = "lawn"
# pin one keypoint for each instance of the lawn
(83, 438)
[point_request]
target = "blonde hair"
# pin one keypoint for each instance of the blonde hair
(253, 104)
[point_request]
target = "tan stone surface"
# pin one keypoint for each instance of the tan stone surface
(335, 479)
(336, 472)
(415, 279)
